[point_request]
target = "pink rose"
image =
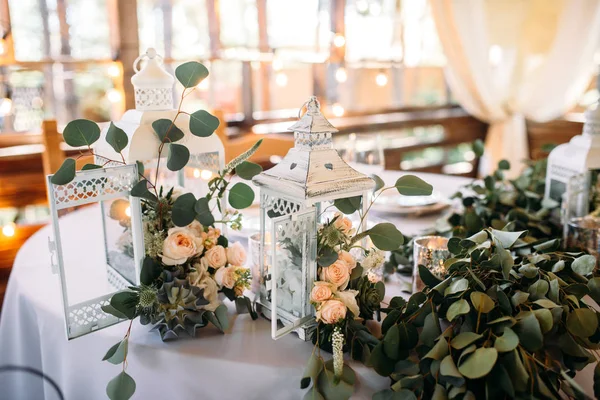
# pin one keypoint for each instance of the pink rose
(216, 257)
(342, 223)
(348, 259)
(321, 292)
(236, 254)
(180, 244)
(331, 311)
(211, 237)
(226, 277)
(337, 274)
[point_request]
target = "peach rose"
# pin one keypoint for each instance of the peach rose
(197, 228)
(337, 274)
(226, 277)
(347, 258)
(216, 257)
(321, 292)
(212, 236)
(331, 311)
(180, 244)
(236, 254)
(342, 223)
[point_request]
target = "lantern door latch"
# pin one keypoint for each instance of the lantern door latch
(52, 248)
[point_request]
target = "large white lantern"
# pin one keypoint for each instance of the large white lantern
(154, 100)
(97, 246)
(580, 156)
(293, 197)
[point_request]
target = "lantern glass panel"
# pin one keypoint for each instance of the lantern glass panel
(96, 247)
(200, 169)
(293, 269)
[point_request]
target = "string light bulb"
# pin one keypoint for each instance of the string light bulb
(113, 70)
(8, 230)
(339, 40)
(281, 79)
(5, 106)
(196, 173)
(113, 95)
(341, 75)
(128, 211)
(337, 109)
(362, 6)
(381, 79)
(206, 174)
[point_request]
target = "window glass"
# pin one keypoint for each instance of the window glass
(239, 23)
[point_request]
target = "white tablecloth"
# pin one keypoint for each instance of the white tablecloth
(245, 363)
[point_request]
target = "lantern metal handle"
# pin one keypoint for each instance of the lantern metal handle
(150, 54)
(313, 99)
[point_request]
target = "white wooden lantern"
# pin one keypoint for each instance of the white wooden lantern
(570, 160)
(154, 100)
(97, 246)
(293, 195)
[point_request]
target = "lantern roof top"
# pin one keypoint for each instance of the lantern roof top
(313, 170)
(153, 85)
(592, 120)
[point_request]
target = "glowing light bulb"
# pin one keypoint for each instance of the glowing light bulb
(5, 106)
(113, 95)
(277, 64)
(9, 230)
(375, 9)
(339, 40)
(113, 70)
(341, 75)
(196, 173)
(281, 79)
(362, 6)
(205, 174)
(381, 79)
(203, 85)
(337, 109)
(128, 211)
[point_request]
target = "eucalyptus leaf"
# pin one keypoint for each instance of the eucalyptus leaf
(584, 265)
(151, 270)
(247, 170)
(379, 183)
(191, 73)
(311, 371)
(203, 124)
(391, 342)
(507, 342)
(464, 339)
(482, 302)
(503, 164)
(431, 330)
(140, 189)
(478, 148)
(558, 266)
(116, 138)
(530, 333)
(81, 133)
(449, 372)
(427, 277)
(507, 239)
(457, 286)
(241, 196)
(182, 212)
(545, 319)
(479, 364)
(582, 322)
(382, 364)
(439, 351)
(459, 307)
(386, 236)
(594, 287)
(117, 353)
(121, 387)
(65, 174)
(410, 185)
(539, 289)
(348, 205)
(203, 213)
(178, 158)
(167, 131)
(88, 167)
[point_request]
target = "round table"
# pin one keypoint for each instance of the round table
(243, 363)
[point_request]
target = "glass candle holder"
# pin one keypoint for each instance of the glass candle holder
(584, 234)
(431, 252)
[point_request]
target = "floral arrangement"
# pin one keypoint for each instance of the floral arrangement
(188, 260)
(496, 326)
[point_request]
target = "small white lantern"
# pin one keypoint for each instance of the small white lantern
(294, 194)
(154, 96)
(580, 156)
(97, 248)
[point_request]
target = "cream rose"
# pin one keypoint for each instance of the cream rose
(321, 292)
(331, 311)
(342, 223)
(348, 297)
(348, 259)
(337, 273)
(226, 277)
(216, 257)
(180, 244)
(236, 254)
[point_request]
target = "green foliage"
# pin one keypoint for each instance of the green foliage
(379, 183)
(140, 189)
(167, 131)
(183, 212)
(320, 374)
(81, 132)
(203, 213)
(121, 387)
(247, 170)
(241, 196)
(117, 353)
(203, 124)
(385, 236)
(88, 167)
(65, 174)
(478, 148)
(179, 156)
(151, 270)
(117, 138)
(410, 185)
(348, 205)
(529, 346)
(191, 73)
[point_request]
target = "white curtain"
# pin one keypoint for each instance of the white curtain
(514, 59)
